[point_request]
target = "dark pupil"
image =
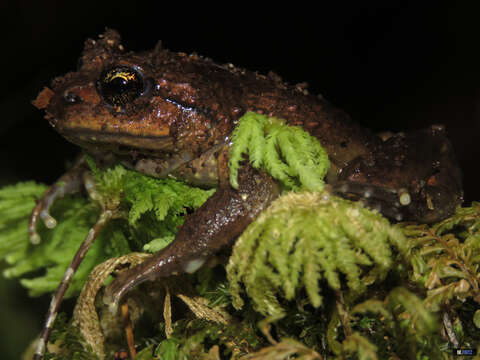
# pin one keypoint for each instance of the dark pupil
(120, 86)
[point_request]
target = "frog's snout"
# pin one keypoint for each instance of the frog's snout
(71, 97)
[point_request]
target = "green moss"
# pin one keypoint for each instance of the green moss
(288, 153)
(304, 238)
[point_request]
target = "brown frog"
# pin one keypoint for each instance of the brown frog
(171, 114)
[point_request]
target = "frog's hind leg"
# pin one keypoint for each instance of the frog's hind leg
(214, 225)
(70, 182)
(388, 201)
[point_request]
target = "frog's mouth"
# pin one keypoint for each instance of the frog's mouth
(118, 142)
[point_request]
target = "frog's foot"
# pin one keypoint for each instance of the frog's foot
(388, 201)
(69, 183)
(178, 258)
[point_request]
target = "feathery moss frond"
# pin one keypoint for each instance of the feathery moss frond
(287, 153)
(358, 344)
(421, 322)
(284, 350)
(303, 238)
(16, 204)
(141, 194)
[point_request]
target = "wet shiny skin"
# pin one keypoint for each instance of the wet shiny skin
(176, 119)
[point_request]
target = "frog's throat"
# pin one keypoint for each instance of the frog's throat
(157, 167)
(197, 170)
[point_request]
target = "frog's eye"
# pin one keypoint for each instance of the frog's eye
(120, 85)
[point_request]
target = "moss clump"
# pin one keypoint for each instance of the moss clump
(304, 238)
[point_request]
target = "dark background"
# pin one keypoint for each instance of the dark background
(393, 65)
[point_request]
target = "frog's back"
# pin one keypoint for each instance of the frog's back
(226, 92)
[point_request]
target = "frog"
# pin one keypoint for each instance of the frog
(171, 114)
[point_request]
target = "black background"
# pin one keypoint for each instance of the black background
(393, 65)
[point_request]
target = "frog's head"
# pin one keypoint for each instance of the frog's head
(412, 176)
(133, 105)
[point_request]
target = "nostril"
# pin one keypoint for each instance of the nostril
(71, 98)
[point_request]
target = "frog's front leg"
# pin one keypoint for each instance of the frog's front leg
(71, 182)
(214, 225)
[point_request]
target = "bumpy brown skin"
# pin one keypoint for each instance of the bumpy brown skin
(179, 126)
